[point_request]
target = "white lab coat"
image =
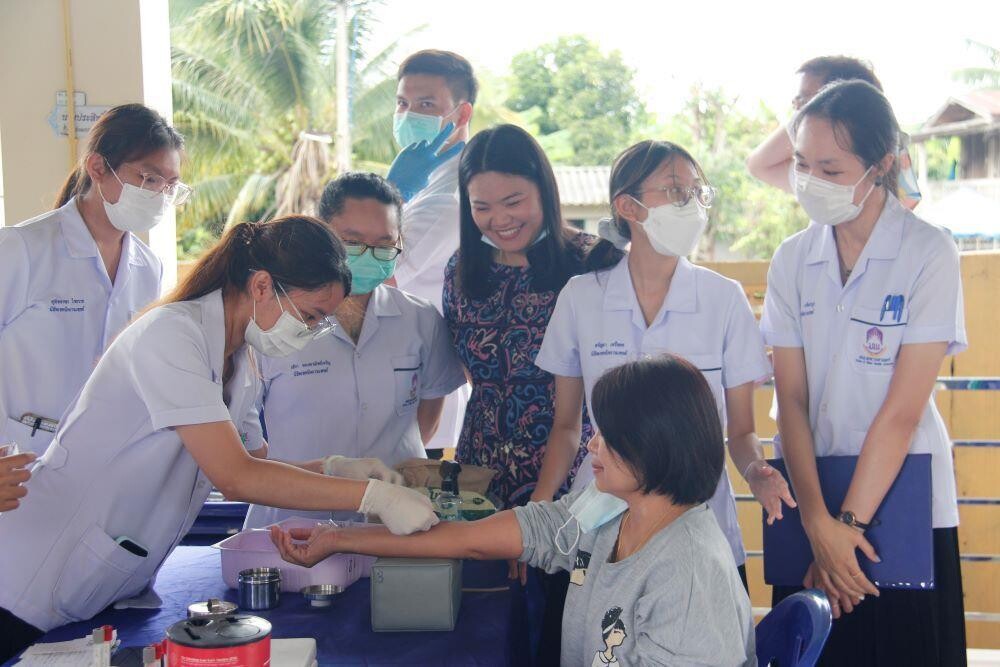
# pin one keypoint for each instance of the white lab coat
(598, 324)
(335, 397)
(906, 287)
(59, 312)
(117, 467)
(430, 238)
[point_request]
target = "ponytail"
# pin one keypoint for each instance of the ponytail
(298, 251)
(123, 133)
(71, 187)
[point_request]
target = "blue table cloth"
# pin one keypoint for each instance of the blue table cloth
(490, 631)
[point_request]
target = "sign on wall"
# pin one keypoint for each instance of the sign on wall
(86, 114)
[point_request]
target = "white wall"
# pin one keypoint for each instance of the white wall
(121, 53)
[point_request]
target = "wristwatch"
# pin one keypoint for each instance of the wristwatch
(848, 517)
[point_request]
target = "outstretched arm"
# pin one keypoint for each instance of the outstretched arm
(495, 537)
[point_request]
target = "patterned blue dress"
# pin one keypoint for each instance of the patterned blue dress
(509, 415)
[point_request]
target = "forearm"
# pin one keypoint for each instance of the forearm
(289, 486)
(560, 453)
(429, 417)
(744, 449)
(493, 538)
(771, 160)
(800, 458)
(882, 456)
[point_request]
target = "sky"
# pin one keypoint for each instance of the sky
(750, 49)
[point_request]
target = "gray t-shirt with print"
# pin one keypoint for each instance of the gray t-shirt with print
(677, 601)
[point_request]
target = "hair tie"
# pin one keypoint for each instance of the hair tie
(250, 233)
(607, 229)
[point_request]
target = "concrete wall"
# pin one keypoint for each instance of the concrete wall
(121, 53)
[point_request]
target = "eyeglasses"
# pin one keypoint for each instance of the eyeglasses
(323, 327)
(703, 194)
(176, 193)
(384, 253)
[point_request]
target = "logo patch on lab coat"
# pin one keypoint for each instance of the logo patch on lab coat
(874, 342)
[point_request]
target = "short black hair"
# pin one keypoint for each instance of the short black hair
(840, 68)
(357, 185)
(456, 70)
(659, 416)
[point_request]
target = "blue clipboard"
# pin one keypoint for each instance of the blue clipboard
(902, 537)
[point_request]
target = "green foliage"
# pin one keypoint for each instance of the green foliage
(249, 77)
(988, 75)
(943, 154)
(582, 102)
(752, 217)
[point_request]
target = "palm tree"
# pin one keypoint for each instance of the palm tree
(986, 77)
(254, 95)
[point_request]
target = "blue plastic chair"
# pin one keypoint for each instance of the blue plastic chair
(794, 632)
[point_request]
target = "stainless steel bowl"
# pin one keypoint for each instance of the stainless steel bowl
(259, 588)
(321, 595)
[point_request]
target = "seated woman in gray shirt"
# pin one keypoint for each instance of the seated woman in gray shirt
(652, 578)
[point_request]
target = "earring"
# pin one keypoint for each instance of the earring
(878, 182)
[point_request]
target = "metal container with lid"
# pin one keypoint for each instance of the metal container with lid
(237, 640)
(259, 588)
(211, 607)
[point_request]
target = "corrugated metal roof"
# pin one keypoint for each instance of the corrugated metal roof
(583, 186)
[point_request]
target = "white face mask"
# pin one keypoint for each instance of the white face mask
(829, 203)
(136, 210)
(287, 336)
(488, 241)
(674, 230)
(591, 509)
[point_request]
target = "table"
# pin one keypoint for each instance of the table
(491, 630)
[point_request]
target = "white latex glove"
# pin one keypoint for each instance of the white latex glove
(340, 466)
(402, 510)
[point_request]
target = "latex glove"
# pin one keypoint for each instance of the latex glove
(402, 510)
(340, 466)
(412, 168)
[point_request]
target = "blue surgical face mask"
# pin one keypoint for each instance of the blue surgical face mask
(409, 127)
(367, 272)
(485, 239)
(591, 509)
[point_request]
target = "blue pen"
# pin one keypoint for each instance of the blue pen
(886, 306)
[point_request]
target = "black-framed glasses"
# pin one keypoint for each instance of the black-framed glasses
(380, 252)
(678, 196)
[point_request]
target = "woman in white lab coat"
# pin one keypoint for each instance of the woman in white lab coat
(168, 413)
(861, 309)
(72, 278)
(652, 300)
